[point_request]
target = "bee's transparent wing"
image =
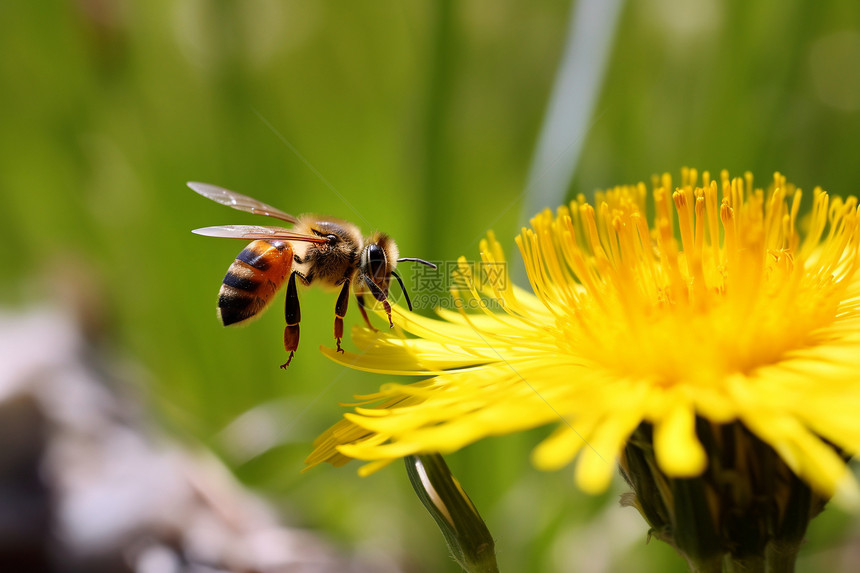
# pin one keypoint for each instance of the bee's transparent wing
(257, 232)
(239, 202)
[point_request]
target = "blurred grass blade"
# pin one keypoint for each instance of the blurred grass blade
(590, 36)
(465, 532)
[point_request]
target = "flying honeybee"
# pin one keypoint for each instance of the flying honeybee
(317, 250)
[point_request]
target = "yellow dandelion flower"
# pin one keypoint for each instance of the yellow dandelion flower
(718, 313)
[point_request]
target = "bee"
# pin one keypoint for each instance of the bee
(317, 250)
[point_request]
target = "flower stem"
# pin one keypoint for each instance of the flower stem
(778, 558)
(781, 558)
(713, 565)
(749, 564)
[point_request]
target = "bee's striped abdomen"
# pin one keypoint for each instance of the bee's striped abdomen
(253, 279)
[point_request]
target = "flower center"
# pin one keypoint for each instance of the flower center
(733, 288)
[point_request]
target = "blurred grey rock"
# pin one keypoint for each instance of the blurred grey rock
(87, 486)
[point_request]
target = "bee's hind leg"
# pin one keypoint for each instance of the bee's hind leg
(293, 315)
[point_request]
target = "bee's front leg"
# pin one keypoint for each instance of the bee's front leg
(379, 295)
(293, 315)
(361, 304)
(339, 312)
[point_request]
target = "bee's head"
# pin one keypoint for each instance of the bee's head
(378, 260)
(377, 263)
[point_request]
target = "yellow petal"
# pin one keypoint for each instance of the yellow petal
(679, 452)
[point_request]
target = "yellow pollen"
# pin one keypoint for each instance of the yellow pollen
(702, 300)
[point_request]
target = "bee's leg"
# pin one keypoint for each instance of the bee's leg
(360, 298)
(339, 312)
(379, 295)
(293, 315)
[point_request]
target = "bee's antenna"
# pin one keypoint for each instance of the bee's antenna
(403, 288)
(414, 260)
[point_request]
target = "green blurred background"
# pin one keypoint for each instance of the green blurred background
(416, 118)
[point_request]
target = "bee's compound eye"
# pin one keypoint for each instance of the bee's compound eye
(332, 239)
(376, 261)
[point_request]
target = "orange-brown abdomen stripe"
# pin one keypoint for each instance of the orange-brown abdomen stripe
(253, 279)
